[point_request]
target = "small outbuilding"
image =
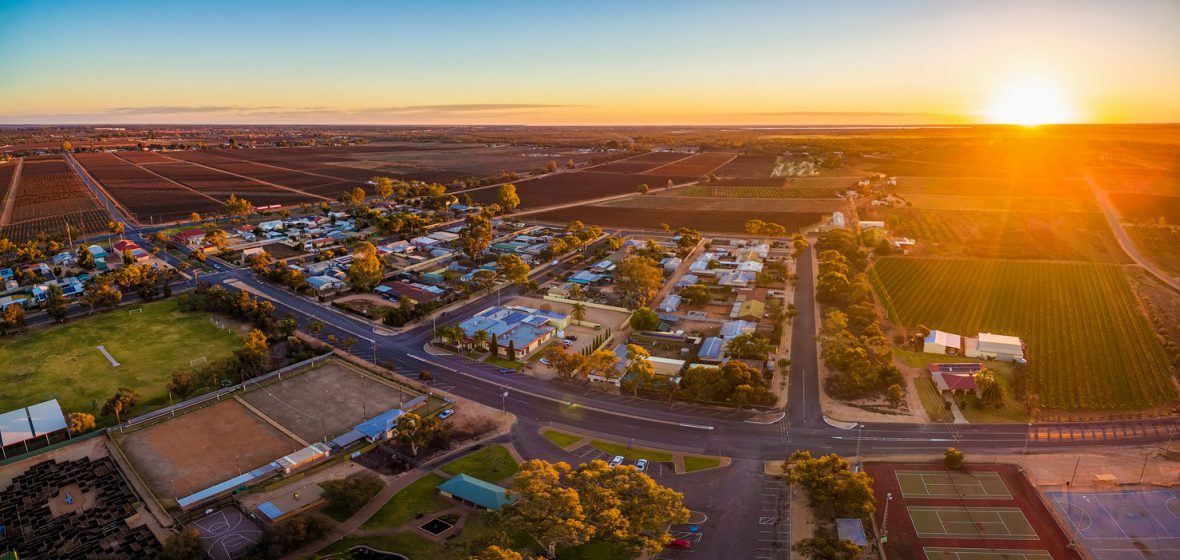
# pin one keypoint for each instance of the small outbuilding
(476, 492)
(942, 342)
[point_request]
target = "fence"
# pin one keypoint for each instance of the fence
(150, 418)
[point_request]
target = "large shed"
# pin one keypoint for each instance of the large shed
(942, 342)
(1001, 347)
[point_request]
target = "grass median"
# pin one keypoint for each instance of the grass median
(562, 439)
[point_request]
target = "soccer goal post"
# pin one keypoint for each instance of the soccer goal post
(198, 363)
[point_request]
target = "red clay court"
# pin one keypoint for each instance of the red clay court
(979, 512)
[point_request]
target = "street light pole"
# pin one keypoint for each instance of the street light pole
(885, 518)
(1027, 436)
(859, 430)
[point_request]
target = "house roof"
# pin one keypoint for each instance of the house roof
(711, 348)
(479, 492)
(943, 338)
(851, 529)
(752, 307)
(954, 381)
(379, 424)
(999, 342)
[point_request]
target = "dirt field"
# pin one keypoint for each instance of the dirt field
(334, 392)
(199, 449)
(699, 204)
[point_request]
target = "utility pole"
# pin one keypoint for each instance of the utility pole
(859, 430)
(1027, 436)
(885, 518)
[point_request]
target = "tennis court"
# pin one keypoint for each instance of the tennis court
(942, 553)
(927, 484)
(1131, 525)
(971, 522)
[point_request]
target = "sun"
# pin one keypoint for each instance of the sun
(1030, 104)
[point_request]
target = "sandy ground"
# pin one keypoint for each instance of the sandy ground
(372, 298)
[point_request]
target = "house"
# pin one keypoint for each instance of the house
(730, 329)
(942, 342)
(954, 383)
(190, 237)
(686, 281)
(603, 267)
(524, 328)
(736, 278)
(63, 259)
(417, 294)
(872, 224)
(711, 350)
(670, 303)
(399, 247)
(424, 241)
(1001, 347)
(838, 220)
(325, 283)
(473, 491)
(380, 427)
(443, 237)
(586, 278)
(271, 225)
(751, 310)
(137, 252)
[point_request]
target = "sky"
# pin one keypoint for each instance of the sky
(545, 63)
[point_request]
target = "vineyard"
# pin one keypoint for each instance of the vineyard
(49, 198)
(651, 219)
(694, 166)
(1089, 346)
(149, 197)
(748, 166)
(564, 188)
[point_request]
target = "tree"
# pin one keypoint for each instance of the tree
(627, 507)
(182, 384)
(513, 268)
(895, 393)
(101, 294)
(602, 363)
(315, 328)
(384, 186)
(644, 319)
(217, 238)
(290, 534)
(116, 228)
(85, 259)
(566, 364)
(748, 346)
(830, 480)
(687, 239)
(578, 312)
(13, 318)
(638, 368)
(990, 390)
(637, 280)
(826, 548)
(508, 199)
(476, 235)
(734, 382)
(551, 166)
(347, 495)
(194, 217)
(696, 294)
(254, 355)
(66, 146)
(238, 206)
(643, 189)
(365, 270)
(185, 545)
(122, 401)
(545, 510)
(953, 458)
(416, 431)
(56, 305)
(496, 553)
(79, 422)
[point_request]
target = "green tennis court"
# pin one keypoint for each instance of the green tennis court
(971, 522)
(926, 484)
(941, 553)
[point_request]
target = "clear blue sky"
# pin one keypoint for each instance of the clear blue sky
(567, 62)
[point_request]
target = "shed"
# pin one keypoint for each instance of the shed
(942, 342)
(474, 491)
(1001, 347)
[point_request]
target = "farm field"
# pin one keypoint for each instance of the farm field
(63, 362)
(49, 187)
(648, 219)
(147, 196)
(694, 166)
(89, 221)
(7, 173)
(996, 187)
(221, 185)
(262, 172)
(1138, 180)
(714, 191)
(564, 188)
(748, 166)
(1089, 346)
(1138, 207)
(641, 163)
(1007, 154)
(1161, 244)
(1013, 204)
(1001, 234)
(661, 203)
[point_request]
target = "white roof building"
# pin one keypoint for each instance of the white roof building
(1001, 347)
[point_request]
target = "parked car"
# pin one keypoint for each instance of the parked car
(506, 370)
(680, 544)
(572, 337)
(567, 343)
(618, 460)
(641, 465)
(446, 414)
(545, 361)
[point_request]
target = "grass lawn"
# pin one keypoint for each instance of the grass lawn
(562, 439)
(63, 362)
(419, 497)
(932, 401)
(693, 463)
(633, 453)
(503, 362)
(491, 464)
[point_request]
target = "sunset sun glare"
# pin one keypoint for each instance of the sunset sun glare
(1030, 104)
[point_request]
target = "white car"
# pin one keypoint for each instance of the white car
(618, 460)
(641, 465)
(545, 361)
(446, 414)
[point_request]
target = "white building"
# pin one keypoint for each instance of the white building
(1001, 347)
(942, 342)
(870, 224)
(838, 220)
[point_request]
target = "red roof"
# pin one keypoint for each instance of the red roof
(415, 293)
(126, 246)
(191, 233)
(959, 381)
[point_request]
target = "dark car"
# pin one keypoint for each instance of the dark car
(680, 544)
(571, 337)
(506, 370)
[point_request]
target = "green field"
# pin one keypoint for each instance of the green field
(420, 497)
(562, 439)
(1089, 346)
(492, 464)
(63, 362)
